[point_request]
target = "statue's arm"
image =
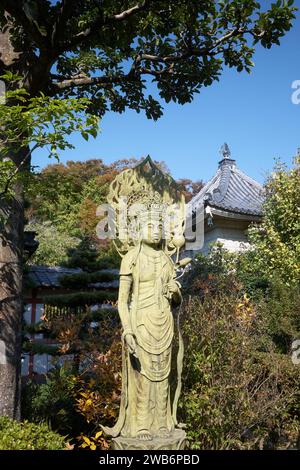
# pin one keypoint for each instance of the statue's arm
(123, 302)
(123, 307)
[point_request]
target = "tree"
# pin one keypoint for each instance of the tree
(42, 121)
(67, 195)
(106, 51)
(189, 188)
(54, 246)
(276, 241)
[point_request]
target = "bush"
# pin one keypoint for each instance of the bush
(280, 307)
(76, 401)
(28, 436)
(276, 240)
(239, 392)
(212, 273)
(53, 402)
(241, 389)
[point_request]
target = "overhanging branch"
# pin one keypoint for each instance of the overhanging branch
(192, 51)
(131, 11)
(138, 68)
(87, 81)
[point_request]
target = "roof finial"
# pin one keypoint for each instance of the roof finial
(225, 151)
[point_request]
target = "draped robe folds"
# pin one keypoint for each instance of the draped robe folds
(145, 400)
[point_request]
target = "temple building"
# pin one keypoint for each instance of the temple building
(229, 203)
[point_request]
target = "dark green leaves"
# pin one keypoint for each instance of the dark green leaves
(106, 50)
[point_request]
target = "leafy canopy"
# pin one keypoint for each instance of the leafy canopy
(110, 51)
(63, 58)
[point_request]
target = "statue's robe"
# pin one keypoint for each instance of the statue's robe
(145, 401)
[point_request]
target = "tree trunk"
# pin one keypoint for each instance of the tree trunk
(11, 265)
(11, 305)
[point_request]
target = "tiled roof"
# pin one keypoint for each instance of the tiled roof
(230, 190)
(48, 276)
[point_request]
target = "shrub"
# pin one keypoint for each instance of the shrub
(53, 402)
(212, 273)
(241, 389)
(280, 308)
(28, 436)
(239, 392)
(75, 401)
(277, 238)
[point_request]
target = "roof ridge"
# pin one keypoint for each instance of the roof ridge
(205, 188)
(220, 192)
(59, 269)
(208, 184)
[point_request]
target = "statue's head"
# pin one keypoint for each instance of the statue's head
(151, 226)
(146, 185)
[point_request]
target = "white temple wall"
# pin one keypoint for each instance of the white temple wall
(232, 239)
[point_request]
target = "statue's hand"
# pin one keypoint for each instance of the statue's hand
(173, 287)
(131, 343)
(172, 291)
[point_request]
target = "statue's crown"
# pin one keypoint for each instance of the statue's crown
(154, 212)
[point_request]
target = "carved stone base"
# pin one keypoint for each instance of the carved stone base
(176, 441)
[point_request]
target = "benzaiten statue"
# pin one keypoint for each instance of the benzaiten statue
(150, 221)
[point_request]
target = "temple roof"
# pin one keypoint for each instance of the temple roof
(230, 190)
(48, 276)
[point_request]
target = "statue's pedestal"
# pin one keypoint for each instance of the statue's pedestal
(176, 441)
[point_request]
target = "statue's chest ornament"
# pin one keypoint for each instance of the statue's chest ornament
(151, 268)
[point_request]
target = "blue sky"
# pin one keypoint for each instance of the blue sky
(253, 113)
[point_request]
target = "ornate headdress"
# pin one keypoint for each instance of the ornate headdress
(146, 193)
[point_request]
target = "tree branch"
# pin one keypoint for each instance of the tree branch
(86, 81)
(190, 51)
(137, 69)
(131, 11)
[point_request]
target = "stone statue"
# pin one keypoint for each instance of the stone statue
(148, 291)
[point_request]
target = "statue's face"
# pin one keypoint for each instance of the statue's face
(151, 232)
